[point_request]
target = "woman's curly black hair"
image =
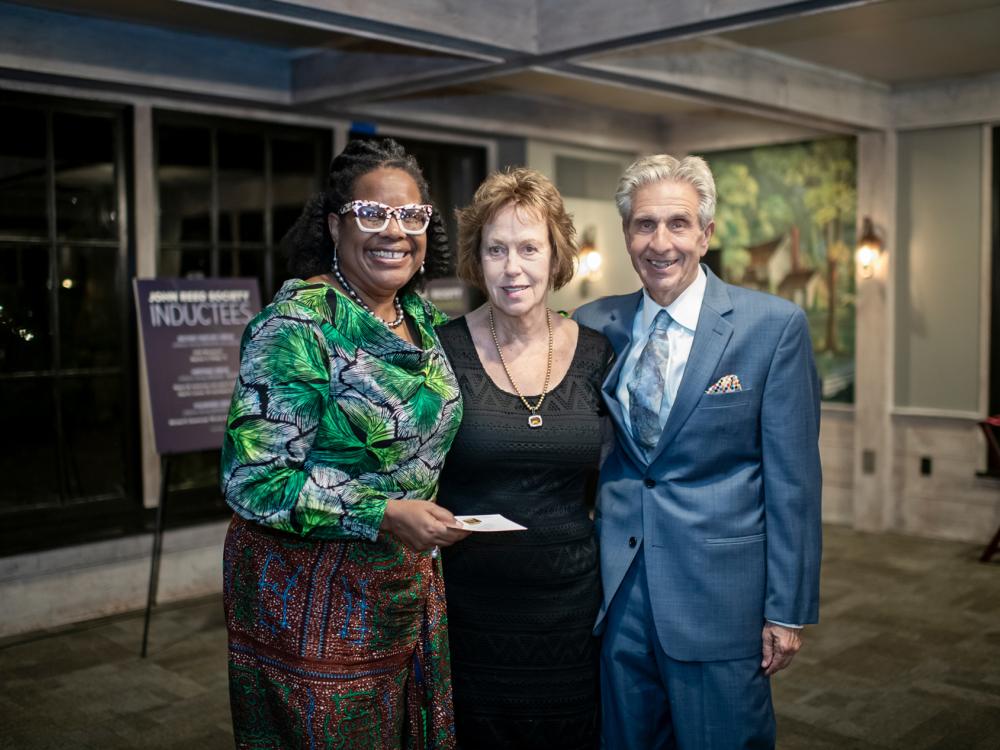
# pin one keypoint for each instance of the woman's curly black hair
(308, 244)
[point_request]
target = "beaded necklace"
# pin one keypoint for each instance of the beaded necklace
(354, 296)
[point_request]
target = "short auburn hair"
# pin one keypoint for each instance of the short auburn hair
(528, 189)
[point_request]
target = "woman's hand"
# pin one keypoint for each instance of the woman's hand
(421, 524)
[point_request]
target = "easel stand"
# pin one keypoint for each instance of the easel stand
(161, 336)
(154, 564)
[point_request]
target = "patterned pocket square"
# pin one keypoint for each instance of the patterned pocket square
(726, 384)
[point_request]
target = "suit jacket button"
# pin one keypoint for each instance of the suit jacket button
(649, 483)
(632, 541)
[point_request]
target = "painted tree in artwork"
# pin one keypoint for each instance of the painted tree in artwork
(804, 193)
(735, 216)
(756, 202)
(827, 179)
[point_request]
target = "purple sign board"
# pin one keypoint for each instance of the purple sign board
(190, 331)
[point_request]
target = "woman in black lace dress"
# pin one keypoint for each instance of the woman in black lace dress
(521, 604)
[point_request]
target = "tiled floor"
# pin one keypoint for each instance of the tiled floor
(907, 656)
(87, 687)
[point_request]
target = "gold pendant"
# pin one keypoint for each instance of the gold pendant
(535, 420)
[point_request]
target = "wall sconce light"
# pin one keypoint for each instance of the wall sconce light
(590, 264)
(589, 270)
(589, 261)
(869, 249)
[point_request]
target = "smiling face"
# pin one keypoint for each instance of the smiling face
(664, 239)
(517, 260)
(378, 264)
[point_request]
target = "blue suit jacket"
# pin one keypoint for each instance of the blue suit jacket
(727, 509)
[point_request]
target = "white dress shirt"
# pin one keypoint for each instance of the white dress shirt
(684, 312)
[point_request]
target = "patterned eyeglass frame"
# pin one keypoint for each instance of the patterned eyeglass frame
(390, 212)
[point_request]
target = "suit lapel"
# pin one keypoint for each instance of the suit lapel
(619, 333)
(710, 340)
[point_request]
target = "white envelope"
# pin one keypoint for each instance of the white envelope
(489, 522)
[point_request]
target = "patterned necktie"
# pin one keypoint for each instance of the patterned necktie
(649, 383)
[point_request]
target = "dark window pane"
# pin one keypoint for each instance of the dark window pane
(189, 264)
(233, 262)
(264, 168)
(295, 170)
(194, 470)
(86, 207)
(92, 412)
(284, 218)
(89, 307)
(185, 186)
(25, 343)
(197, 225)
(23, 209)
(241, 187)
(242, 228)
(66, 434)
(294, 157)
(28, 444)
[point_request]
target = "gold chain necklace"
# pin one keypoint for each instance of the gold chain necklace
(534, 418)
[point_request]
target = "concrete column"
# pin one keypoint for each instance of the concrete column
(144, 179)
(875, 504)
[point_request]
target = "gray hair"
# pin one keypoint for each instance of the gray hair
(662, 167)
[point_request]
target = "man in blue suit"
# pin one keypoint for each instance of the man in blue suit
(709, 503)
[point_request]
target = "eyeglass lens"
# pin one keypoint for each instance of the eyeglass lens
(377, 218)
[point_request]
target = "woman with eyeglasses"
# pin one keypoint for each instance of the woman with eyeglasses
(339, 424)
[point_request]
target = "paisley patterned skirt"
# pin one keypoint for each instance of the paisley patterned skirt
(335, 644)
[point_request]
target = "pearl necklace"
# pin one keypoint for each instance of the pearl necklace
(534, 418)
(354, 296)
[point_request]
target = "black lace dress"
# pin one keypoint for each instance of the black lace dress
(521, 604)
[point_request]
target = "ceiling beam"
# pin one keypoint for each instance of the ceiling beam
(37, 42)
(678, 19)
(337, 75)
(962, 101)
(722, 131)
(493, 30)
(496, 114)
(577, 27)
(719, 72)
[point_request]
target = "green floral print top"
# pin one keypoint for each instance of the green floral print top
(334, 414)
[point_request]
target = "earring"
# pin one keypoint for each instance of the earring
(422, 269)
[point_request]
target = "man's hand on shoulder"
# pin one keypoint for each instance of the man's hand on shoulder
(780, 646)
